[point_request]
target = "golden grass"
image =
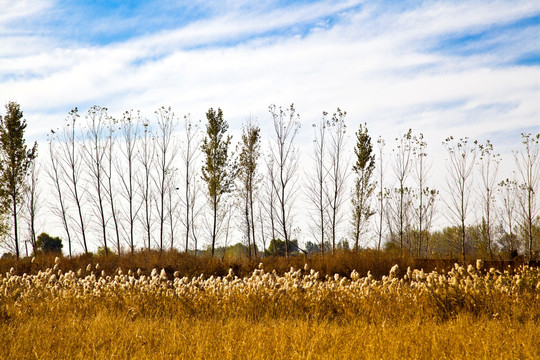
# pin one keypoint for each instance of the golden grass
(118, 336)
(95, 314)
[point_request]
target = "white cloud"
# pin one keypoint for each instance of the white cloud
(378, 66)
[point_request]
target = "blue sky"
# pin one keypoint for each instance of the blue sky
(461, 68)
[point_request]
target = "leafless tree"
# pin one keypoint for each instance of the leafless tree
(127, 170)
(173, 202)
(269, 195)
(32, 201)
(489, 167)
(402, 169)
(166, 151)
(528, 165)
(146, 159)
(424, 196)
(316, 184)
(110, 188)
(285, 155)
(461, 160)
(72, 166)
(248, 161)
(263, 234)
(508, 192)
(337, 173)
(381, 200)
(56, 175)
(189, 153)
(94, 156)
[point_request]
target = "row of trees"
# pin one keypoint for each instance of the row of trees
(170, 183)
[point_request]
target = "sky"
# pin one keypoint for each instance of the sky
(441, 68)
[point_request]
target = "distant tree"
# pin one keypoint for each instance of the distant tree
(218, 169)
(284, 160)
(248, 157)
(364, 165)
(460, 165)
(48, 244)
(278, 247)
(146, 156)
(15, 163)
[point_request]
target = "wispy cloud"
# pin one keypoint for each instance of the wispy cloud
(452, 67)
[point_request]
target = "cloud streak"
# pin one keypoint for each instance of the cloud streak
(436, 67)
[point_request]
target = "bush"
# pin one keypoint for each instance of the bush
(47, 244)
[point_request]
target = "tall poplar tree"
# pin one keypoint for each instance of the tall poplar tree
(218, 170)
(363, 185)
(16, 159)
(250, 151)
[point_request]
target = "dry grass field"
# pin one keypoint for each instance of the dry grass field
(473, 312)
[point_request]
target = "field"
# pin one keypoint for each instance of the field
(53, 311)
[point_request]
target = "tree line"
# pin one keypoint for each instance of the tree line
(129, 183)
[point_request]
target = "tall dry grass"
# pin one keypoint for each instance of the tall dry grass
(465, 312)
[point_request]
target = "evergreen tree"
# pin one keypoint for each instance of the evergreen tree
(14, 165)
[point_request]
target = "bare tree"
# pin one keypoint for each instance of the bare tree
(268, 195)
(56, 175)
(189, 153)
(110, 188)
(402, 169)
(72, 163)
(95, 152)
(166, 151)
(146, 158)
(337, 173)
(528, 165)
(424, 196)
(173, 201)
(508, 192)
(248, 157)
(363, 185)
(381, 169)
(32, 201)
(284, 156)
(316, 184)
(263, 234)
(460, 165)
(489, 167)
(130, 127)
